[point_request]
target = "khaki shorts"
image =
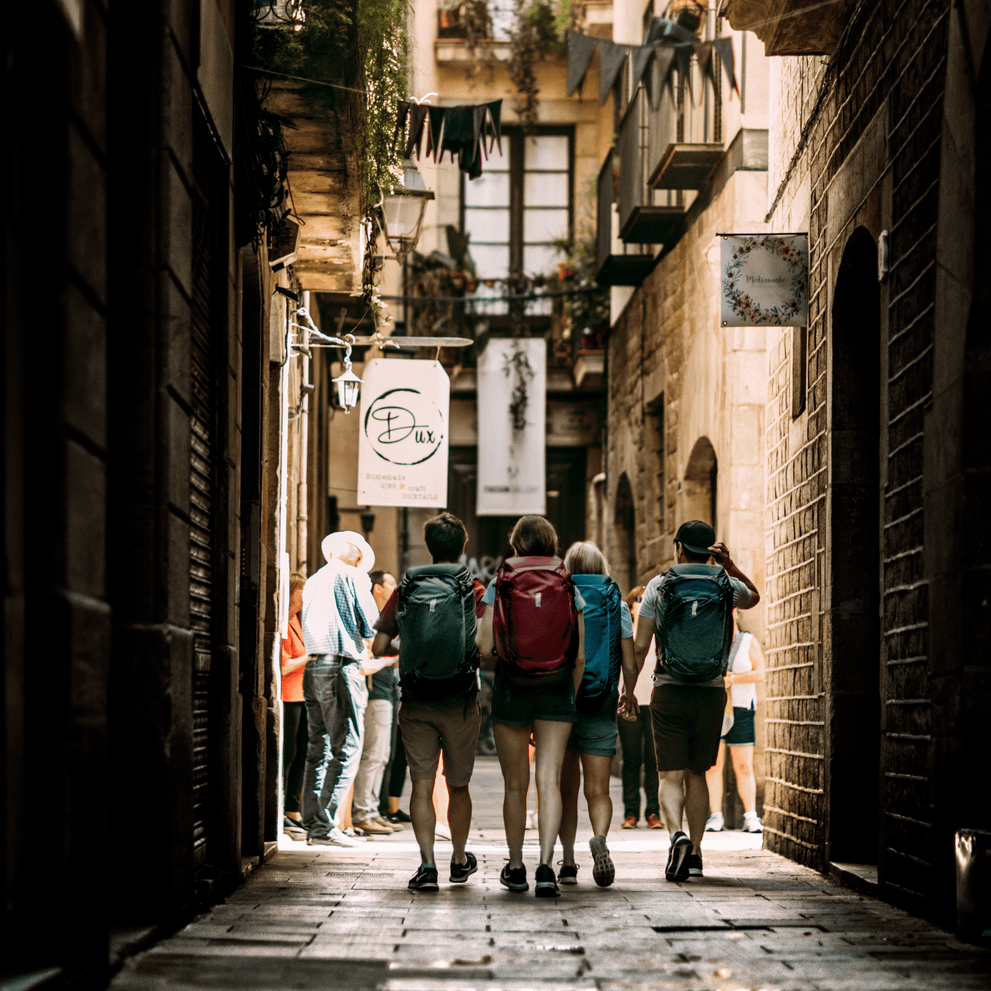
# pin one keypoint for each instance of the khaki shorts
(429, 728)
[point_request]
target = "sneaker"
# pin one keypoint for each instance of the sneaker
(545, 884)
(398, 817)
(514, 878)
(694, 862)
(334, 838)
(425, 879)
(630, 822)
(568, 874)
(715, 823)
(751, 824)
(369, 827)
(603, 871)
(681, 847)
(654, 821)
(461, 872)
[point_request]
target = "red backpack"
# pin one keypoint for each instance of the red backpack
(534, 620)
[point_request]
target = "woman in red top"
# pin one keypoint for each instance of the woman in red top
(294, 731)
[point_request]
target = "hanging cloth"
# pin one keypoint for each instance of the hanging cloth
(581, 50)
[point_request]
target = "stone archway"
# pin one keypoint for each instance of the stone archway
(698, 490)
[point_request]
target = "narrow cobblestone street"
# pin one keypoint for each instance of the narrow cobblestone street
(345, 919)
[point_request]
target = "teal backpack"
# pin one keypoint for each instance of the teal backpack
(603, 657)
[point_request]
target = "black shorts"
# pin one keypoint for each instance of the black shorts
(741, 733)
(686, 722)
(515, 704)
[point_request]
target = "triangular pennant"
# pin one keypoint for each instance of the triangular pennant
(611, 58)
(581, 49)
(703, 50)
(417, 115)
(639, 59)
(724, 46)
(495, 113)
(664, 64)
(683, 53)
(437, 117)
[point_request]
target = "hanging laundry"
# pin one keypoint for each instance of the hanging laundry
(462, 130)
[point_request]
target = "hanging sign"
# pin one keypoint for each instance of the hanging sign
(512, 426)
(403, 435)
(764, 280)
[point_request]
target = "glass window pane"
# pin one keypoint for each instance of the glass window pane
(503, 17)
(491, 260)
(489, 189)
(546, 151)
(546, 188)
(544, 225)
(487, 225)
(541, 259)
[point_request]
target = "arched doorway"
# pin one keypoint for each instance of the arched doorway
(699, 485)
(623, 559)
(851, 665)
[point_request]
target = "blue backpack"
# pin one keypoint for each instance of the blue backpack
(603, 632)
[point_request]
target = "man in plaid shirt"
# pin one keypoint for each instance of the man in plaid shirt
(338, 618)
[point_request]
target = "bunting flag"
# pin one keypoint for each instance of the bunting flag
(663, 60)
(670, 45)
(460, 130)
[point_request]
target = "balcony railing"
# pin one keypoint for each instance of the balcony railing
(646, 215)
(616, 263)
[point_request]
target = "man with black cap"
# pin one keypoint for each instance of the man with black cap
(689, 611)
(338, 620)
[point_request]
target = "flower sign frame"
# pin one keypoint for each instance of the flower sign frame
(764, 280)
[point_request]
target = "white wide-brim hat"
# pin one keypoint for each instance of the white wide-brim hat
(332, 541)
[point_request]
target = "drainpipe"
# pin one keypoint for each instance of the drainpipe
(302, 534)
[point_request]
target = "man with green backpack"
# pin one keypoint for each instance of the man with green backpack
(433, 611)
(688, 610)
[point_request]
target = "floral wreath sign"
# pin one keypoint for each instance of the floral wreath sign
(765, 280)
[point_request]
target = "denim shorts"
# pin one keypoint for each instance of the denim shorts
(741, 733)
(595, 732)
(515, 704)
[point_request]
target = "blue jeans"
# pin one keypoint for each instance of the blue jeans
(335, 697)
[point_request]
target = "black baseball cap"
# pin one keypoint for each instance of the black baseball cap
(695, 536)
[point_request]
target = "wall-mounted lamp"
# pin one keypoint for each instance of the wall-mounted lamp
(403, 210)
(368, 521)
(347, 382)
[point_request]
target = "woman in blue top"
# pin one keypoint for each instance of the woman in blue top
(608, 647)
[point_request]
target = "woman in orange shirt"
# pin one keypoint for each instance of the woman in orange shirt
(294, 731)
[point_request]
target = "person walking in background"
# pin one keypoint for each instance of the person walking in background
(294, 733)
(533, 622)
(689, 612)
(337, 618)
(608, 648)
(637, 741)
(433, 612)
(745, 670)
(383, 689)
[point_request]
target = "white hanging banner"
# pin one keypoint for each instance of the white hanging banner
(764, 280)
(403, 438)
(512, 427)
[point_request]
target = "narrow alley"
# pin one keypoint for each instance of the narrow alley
(343, 918)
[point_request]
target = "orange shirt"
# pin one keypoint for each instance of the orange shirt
(293, 647)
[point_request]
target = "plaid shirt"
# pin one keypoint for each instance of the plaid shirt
(338, 612)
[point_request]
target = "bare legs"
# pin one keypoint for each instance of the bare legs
(742, 759)
(596, 773)
(714, 780)
(685, 792)
(512, 746)
(421, 808)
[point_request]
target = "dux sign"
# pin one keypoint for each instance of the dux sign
(403, 438)
(764, 280)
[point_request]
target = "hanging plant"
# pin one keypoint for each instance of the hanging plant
(538, 31)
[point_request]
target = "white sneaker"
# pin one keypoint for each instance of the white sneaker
(751, 824)
(715, 823)
(334, 838)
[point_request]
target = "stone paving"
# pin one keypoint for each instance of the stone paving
(331, 918)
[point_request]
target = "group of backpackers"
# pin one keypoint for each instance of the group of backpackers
(561, 635)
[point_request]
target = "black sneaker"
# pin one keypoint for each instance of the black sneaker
(681, 847)
(514, 878)
(397, 817)
(461, 872)
(545, 884)
(694, 862)
(568, 874)
(425, 879)
(603, 870)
